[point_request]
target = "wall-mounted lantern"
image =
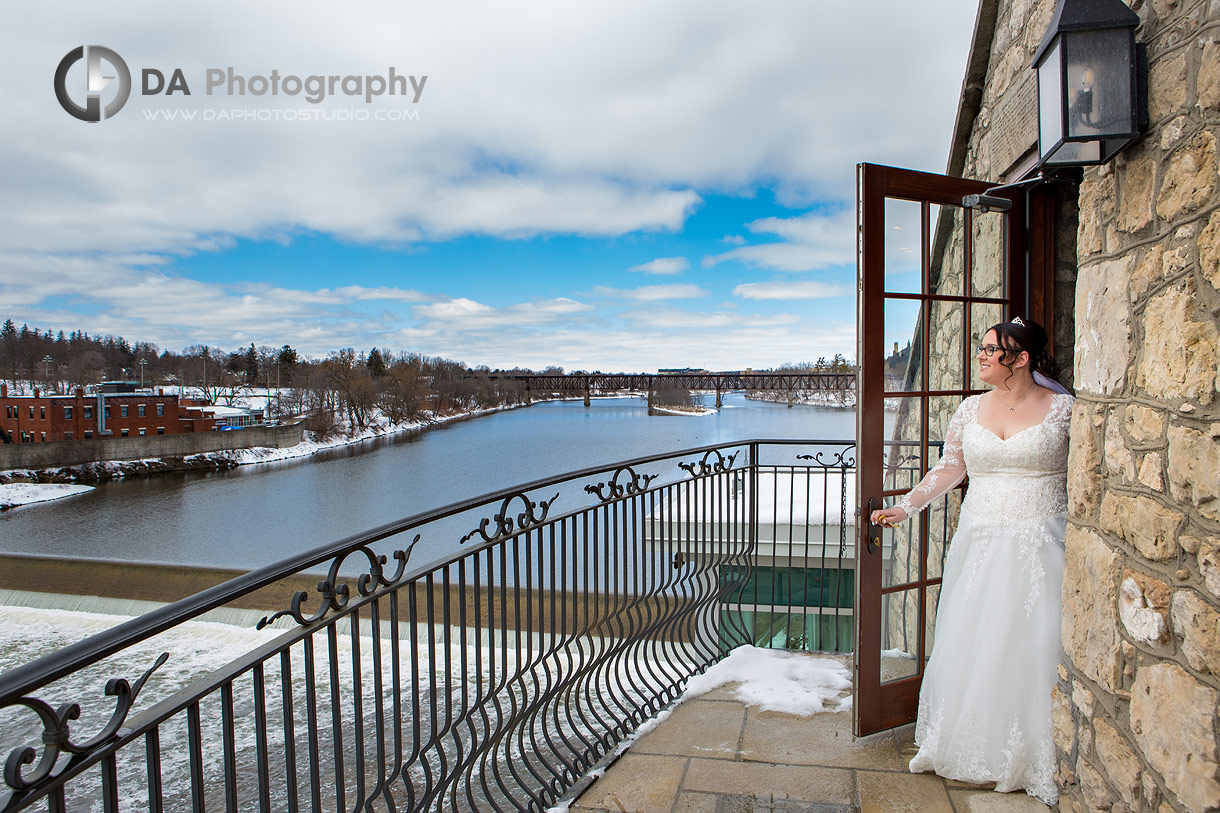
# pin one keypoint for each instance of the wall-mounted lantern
(1090, 104)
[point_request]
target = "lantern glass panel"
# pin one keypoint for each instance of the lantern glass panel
(1075, 152)
(1098, 82)
(1050, 100)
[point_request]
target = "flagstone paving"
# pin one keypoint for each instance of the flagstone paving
(715, 754)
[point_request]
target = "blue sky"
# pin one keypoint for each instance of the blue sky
(605, 186)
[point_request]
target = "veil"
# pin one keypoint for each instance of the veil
(1050, 384)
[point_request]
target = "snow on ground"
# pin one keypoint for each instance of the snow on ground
(14, 494)
(776, 680)
(378, 428)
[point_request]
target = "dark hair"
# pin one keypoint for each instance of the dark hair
(1030, 337)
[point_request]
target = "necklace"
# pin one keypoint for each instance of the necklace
(1019, 400)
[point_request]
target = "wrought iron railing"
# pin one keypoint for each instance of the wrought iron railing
(548, 623)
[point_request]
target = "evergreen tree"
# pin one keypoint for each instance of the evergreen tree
(251, 363)
(376, 363)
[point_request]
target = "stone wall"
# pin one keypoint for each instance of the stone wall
(77, 452)
(1135, 711)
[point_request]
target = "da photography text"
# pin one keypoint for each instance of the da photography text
(106, 83)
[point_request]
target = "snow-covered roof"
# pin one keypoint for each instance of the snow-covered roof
(225, 411)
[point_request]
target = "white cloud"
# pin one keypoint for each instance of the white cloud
(784, 289)
(663, 265)
(653, 293)
(676, 318)
(545, 118)
(536, 120)
(811, 242)
(467, 314)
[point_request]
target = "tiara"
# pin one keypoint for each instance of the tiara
(1018, 321)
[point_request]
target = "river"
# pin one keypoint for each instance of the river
(258, 514)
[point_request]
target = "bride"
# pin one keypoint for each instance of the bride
(985, 701)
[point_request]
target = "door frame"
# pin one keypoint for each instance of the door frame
(1029, 288)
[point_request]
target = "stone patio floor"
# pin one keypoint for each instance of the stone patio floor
(716, 755)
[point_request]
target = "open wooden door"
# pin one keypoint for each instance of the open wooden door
(933, 277)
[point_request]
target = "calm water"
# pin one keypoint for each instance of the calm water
(255, 515)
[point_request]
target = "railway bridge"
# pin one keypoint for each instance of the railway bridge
(720, 383)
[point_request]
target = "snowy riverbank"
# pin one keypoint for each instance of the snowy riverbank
(14, 494)
(27, 486)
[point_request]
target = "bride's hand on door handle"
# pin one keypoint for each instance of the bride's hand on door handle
(888, 517)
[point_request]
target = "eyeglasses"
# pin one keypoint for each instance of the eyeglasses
(990, 350)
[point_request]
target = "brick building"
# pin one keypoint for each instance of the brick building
(115, 410)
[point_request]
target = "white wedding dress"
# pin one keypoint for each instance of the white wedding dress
(985, 702)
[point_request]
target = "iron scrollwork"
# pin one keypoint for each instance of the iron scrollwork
(842, 460)
(333, 595)
(706, 465)
(507, 524)
(57, 734)
(636, 485)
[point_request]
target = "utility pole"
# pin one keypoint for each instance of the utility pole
(46, 369)
(142, 363)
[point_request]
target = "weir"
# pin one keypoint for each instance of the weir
(496, 678)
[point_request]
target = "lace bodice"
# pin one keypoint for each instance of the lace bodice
(1019, 478)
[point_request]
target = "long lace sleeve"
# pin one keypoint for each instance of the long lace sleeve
(950, 470)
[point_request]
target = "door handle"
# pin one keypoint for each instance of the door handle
(874, 530)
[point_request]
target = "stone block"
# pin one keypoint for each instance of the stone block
(1145, 524)
(1207, 82)
(1167, 87)
(1063, 726)
(1148, 272)
(1143, 607)
(1209, 250)
(1119, 762)
(1150, 472)
(1090, 618)
(1197, 627)
(1135, 203)
(1144, 424)
(1093, 787)
(1103, 326)
(1084, 465)
(1190, 178)
(1118, 458)
(1208, 558)
(1173, 720)
(1082, 698)
(1164, 9)
(1181, 349)
(1194, 468)
(1172, 132)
